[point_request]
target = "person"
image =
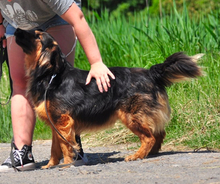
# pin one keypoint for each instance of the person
(64, 20)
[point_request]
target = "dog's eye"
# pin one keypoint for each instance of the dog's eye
(37, 36)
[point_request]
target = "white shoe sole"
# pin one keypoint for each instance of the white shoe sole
(26, 167)
(83, 161)
(80, 162)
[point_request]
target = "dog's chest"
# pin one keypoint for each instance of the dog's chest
(40, 111)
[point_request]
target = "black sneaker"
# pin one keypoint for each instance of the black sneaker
(23, 160)
(82, 158)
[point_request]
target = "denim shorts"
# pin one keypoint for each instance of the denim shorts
(55, 21)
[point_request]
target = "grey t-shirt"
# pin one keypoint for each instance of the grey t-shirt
(28, 14)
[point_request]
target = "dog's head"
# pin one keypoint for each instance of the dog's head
(41, 50)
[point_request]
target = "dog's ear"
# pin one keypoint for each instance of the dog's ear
(57, 59)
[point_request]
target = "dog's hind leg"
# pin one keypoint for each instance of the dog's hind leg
(137, 126)
(159, 140)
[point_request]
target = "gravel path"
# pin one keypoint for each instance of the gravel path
(106, 165)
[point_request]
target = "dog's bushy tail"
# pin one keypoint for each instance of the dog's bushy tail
(176, 68)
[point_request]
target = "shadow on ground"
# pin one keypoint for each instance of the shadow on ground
(118, 156)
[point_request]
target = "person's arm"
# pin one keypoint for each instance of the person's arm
(99, 71)
(2, 31)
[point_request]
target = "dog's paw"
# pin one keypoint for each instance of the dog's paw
(49, 165)
(46, 166)
(133, 157)
(53, 162)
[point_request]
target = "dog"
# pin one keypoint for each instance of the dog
(137, 96)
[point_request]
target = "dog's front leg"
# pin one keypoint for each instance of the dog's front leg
(65, 126)
(56, 153)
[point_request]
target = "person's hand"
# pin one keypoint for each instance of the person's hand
(101, 73)
(2, 35)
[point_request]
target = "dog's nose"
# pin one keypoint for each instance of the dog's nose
(18, 32)
(23, 34)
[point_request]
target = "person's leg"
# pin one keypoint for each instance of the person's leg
(65, 37)
(22, 114)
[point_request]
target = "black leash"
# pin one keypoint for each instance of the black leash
(4, 58)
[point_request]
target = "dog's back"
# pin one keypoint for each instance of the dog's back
(134, 91)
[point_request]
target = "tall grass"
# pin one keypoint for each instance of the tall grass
(142, 41)
(5, 113)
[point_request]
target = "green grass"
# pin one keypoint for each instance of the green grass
(5, 114)
(142, 41)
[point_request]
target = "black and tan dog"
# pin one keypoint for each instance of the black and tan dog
(137, 96)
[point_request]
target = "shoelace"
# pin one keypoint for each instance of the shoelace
(17, 157)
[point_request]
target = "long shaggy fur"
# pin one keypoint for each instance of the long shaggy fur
(137, 96)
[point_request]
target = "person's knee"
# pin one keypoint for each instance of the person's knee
(19, 86)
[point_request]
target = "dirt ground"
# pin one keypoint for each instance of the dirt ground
(106, 165)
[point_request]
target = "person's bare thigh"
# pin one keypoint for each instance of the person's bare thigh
(16, 63)
(66, 38)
